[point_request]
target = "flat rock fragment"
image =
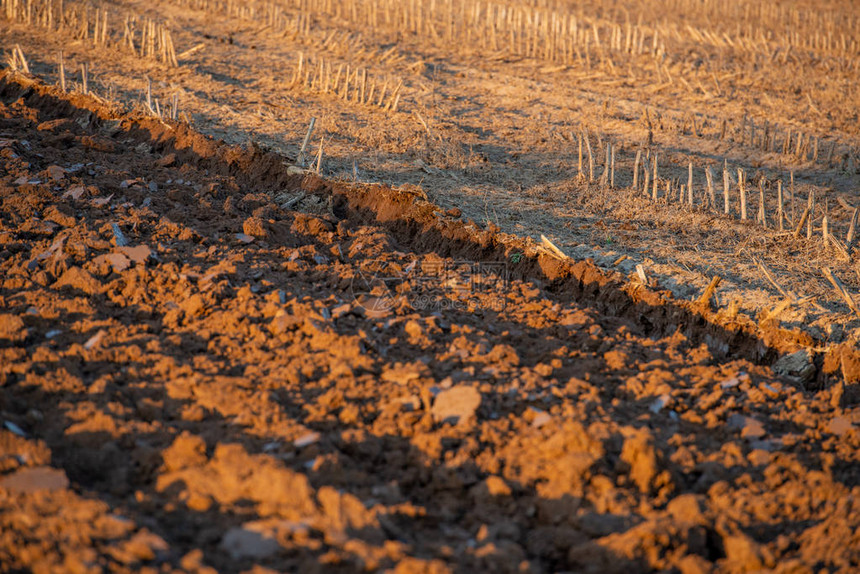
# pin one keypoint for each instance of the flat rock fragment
(456, 405)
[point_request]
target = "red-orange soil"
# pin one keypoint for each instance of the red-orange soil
(194, 378)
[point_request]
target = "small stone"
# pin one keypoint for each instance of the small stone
(375, 307)
(769, 390)
(541, 419)
(101, 201)
(753, 430)
(456, 405)
(138, 253)
(731, 383)
(798, 365)
(534, 416)
(244, 238)
(14, 429)
(750, 428)
(35, 479)
(247, 542)
(119, 237)
(307, 439)
(659, 403)
(759, 457)
(117, 261)
(56, 173)
(95, 340)
(74, 192)
(839, 425)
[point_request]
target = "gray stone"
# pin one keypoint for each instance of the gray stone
(750, 428)
(798, 365)
(456, 405)
(247, 541)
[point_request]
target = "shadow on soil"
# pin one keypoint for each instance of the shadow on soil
(433, 506)
(437, 506)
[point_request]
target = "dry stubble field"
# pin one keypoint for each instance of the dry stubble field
(220, 353)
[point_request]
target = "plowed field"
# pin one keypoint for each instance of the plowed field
(215, 359)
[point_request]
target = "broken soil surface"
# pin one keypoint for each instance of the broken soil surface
(495, 130)
(195, 378)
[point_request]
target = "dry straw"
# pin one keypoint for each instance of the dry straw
(145, 37)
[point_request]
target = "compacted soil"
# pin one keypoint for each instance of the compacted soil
(213, 361)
